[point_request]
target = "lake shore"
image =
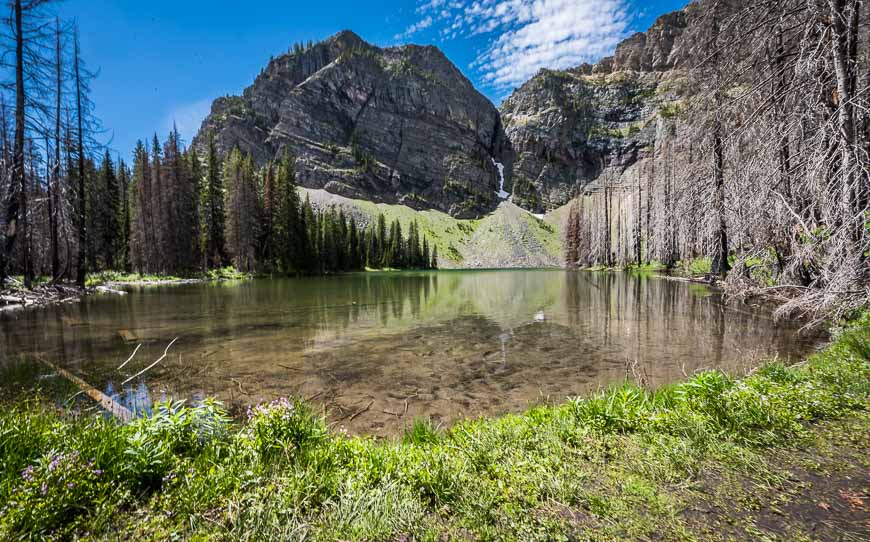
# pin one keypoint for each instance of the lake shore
(45, 293)
(779, 453)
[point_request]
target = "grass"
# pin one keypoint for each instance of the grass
(626, 463)
(117, 277)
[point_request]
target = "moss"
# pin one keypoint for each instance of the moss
(670, 110)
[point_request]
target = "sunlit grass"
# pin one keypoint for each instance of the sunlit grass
(118, 277)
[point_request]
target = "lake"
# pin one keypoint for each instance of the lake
(376, 350)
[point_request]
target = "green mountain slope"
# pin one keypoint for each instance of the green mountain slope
(508, 237)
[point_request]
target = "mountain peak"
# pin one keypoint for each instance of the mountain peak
(347, 38)
(394, 125)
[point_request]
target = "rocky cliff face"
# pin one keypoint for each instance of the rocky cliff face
(571, 128)
(395, 125)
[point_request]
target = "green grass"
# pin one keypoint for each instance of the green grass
(621, 464)
(117, 277)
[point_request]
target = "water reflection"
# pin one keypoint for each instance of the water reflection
(443, 344)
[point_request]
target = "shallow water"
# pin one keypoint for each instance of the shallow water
(374, 351)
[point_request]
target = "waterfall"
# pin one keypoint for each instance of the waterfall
(500, 167)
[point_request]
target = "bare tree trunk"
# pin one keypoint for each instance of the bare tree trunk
(53, 202)
(637, 225)
(719, 265)
(608, 260)
(844, 73)
(17, 196)
(82, 230)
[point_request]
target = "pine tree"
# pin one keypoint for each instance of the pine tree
(342, 249)
(312, 232)
(434, 258)
(353, 246)
(268, 231)
(93, 204)
(241, 210)
(291, 235)
(126, 218)
(195, 209)
(398, 247)
(427, 261)
(372, 259)
(380, 241)
(142, 239)
(107, 213)
(158, 210)
(213, 204)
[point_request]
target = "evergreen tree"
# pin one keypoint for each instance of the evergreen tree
(312, 232)
(213, 204)
(268, 217)
(126, 217)
(353, 246)
(380, 241)
(341, 240)
(397, 243)
(434, 258)
(372, 259)
(107, 214)
(93, 206)
(158, 210)
(181, 213)
(242, 213)
(195, 209)
(414, 253)
(142, 237)
(291, 234)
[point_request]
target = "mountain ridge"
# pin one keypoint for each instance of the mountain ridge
(396, 125)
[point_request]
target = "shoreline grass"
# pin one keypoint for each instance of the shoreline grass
(121, 278)
(622, 464)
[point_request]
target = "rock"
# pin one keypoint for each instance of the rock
(568, 129)
(393, 125)
(649, 51)
(571, 129)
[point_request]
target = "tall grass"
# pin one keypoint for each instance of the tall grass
(283, 475)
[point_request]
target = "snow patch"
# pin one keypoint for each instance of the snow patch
(500, 167)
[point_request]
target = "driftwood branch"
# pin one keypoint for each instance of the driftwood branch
(130, 358)
(146, 369)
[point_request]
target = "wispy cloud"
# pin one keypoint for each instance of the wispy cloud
(524, 36)
(187, 118)
(426, 22)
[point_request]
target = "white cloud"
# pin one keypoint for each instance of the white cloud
(416, 27)
(187, 118)
(524, 36)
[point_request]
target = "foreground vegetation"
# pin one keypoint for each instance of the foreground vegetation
(709, 458)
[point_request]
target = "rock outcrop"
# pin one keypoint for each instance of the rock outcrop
(570, 129)
(394, 125)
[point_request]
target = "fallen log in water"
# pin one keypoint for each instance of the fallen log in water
(116, 409)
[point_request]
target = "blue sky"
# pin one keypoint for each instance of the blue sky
(160, 61)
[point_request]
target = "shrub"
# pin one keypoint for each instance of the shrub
(284, 428)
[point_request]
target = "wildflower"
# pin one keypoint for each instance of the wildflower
(44, 489)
